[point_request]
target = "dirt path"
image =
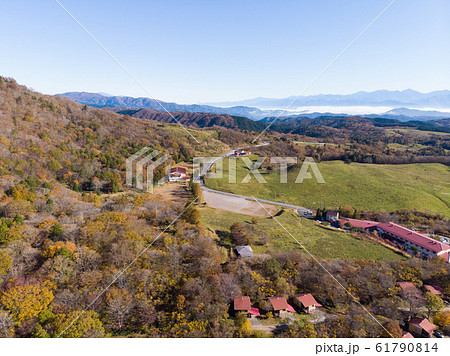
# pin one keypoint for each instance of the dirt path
(238, 205)
(175, 192)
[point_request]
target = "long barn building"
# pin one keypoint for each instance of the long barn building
(403, 237)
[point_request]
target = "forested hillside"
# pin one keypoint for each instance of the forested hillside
(196, 119)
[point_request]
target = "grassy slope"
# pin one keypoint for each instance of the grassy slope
(424, 187)
(417, 132)
(319, 241)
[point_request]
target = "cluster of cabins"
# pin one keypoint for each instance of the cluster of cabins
(404, 238)
(305, 302)
(419, 327)
(279, 305)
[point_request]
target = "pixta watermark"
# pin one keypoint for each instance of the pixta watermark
(202, 168)
(141, 166)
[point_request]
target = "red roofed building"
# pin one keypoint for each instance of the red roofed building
(366, 225)
(421, 327)
(306, 302)
(408, 288)
(407, 335)
(436, 290)
(280, 306)
(332, 216)
(177, 174)
(407, 238)
(243, 305)
(401, 236)
(254, 312)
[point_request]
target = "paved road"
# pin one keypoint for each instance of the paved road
(207, 166)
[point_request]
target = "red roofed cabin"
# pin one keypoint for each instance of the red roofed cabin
(408, 289)
(177, 174)
(407, 335)
(306, 302)
(244, 306)
(421, 327)
(280, 306)
(436, 290)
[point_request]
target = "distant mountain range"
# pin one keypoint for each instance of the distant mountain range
(312, 124)
(404, 104)
(406, 98)
(98, 100)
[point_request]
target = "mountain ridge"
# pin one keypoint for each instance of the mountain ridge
(407, 100)
(407, 97)
(98, 100)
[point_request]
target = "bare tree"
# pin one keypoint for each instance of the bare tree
(6, 324)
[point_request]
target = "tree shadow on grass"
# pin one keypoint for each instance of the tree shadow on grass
(224, 238)
(279, 213)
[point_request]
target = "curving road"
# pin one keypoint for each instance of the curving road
(207, 166)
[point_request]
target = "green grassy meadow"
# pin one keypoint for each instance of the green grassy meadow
(425, 187)
(319, 241)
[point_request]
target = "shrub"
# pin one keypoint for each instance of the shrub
(56, 231)
(53, 165)
(442, 318)
(19, 207)
(10, 231)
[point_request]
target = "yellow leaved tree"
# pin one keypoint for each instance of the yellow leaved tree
(27, 301)
(78, 324)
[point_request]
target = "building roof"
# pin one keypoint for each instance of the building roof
(332, 213)
(242, 303)
(291, 308)
(306, 299)
(414, 237)
(434, 289)
(362, 224)
(178, 170)
(408, 287)
(407, 335)
(244, 251)
(279, 303)
(424, 324)
(254, 311)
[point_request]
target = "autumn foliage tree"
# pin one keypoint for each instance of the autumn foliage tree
(239, 234)
(391, 328)
(442, 318)
(78, 324)
(27, 301)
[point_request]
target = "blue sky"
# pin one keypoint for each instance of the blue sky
(214, 50)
